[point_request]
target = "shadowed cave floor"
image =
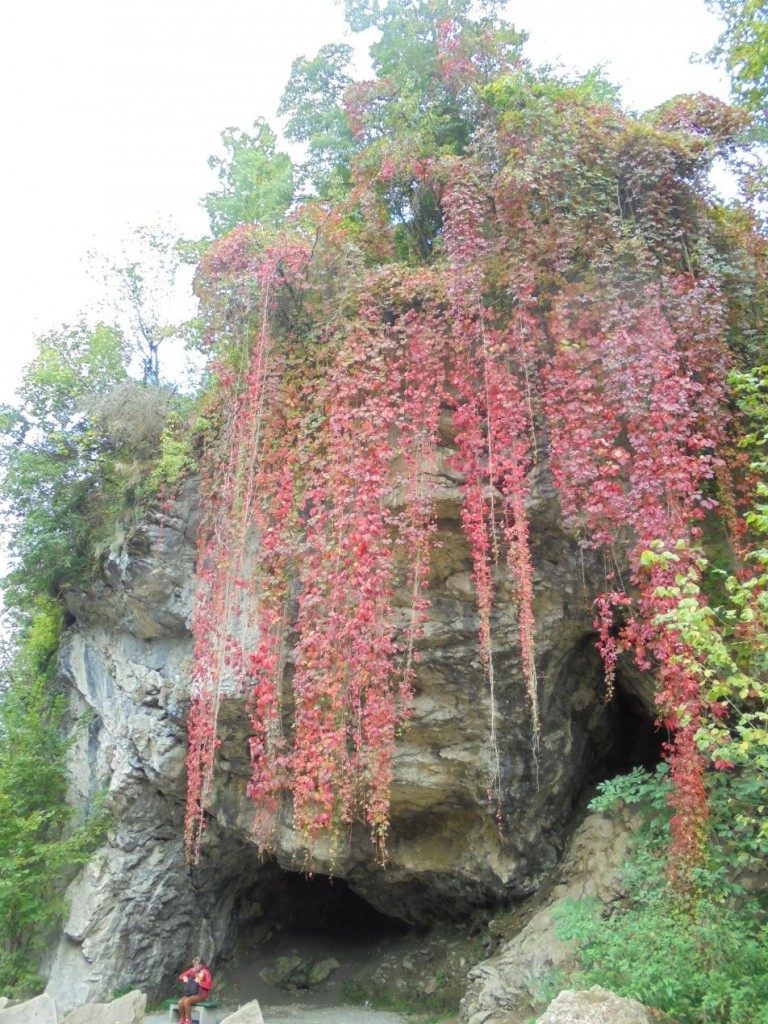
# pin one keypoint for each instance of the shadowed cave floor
(389, 966)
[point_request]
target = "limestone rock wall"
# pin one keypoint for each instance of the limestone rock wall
(138, 911)
(511, 981)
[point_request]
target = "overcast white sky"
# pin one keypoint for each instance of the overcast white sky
(110, 110)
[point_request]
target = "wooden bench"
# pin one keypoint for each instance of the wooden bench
(202, 1013)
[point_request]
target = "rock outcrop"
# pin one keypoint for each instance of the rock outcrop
(595, 1006)
(512, 980)
(138, 911)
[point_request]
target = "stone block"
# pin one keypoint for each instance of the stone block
(250, 1013)
(40, 1010)
(128, 1009)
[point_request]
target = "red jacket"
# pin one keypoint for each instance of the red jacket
(201, 976)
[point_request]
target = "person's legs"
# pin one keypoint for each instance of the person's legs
(185, 1006)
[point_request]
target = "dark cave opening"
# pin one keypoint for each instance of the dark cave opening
(294, 935)
(636, 740)
(612, 734)
(316, 905)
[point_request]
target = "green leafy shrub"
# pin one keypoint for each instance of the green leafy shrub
(702, 956)
(40, 846)
(178, 447)
(706, 964)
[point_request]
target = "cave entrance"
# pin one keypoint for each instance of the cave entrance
(610, 737)
(636, 741)
(294, 936)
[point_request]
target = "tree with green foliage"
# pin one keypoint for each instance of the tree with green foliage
(40, 845)
(742, 50)
(313, 104)
(57, 470)
(256, 180)
(143, 301)
(431, 61)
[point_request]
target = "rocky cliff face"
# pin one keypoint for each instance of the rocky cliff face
(138, 911)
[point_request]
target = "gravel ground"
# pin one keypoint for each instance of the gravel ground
(298, 1014)
(328, 1015)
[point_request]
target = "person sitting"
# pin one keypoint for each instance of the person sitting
(197, 983)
